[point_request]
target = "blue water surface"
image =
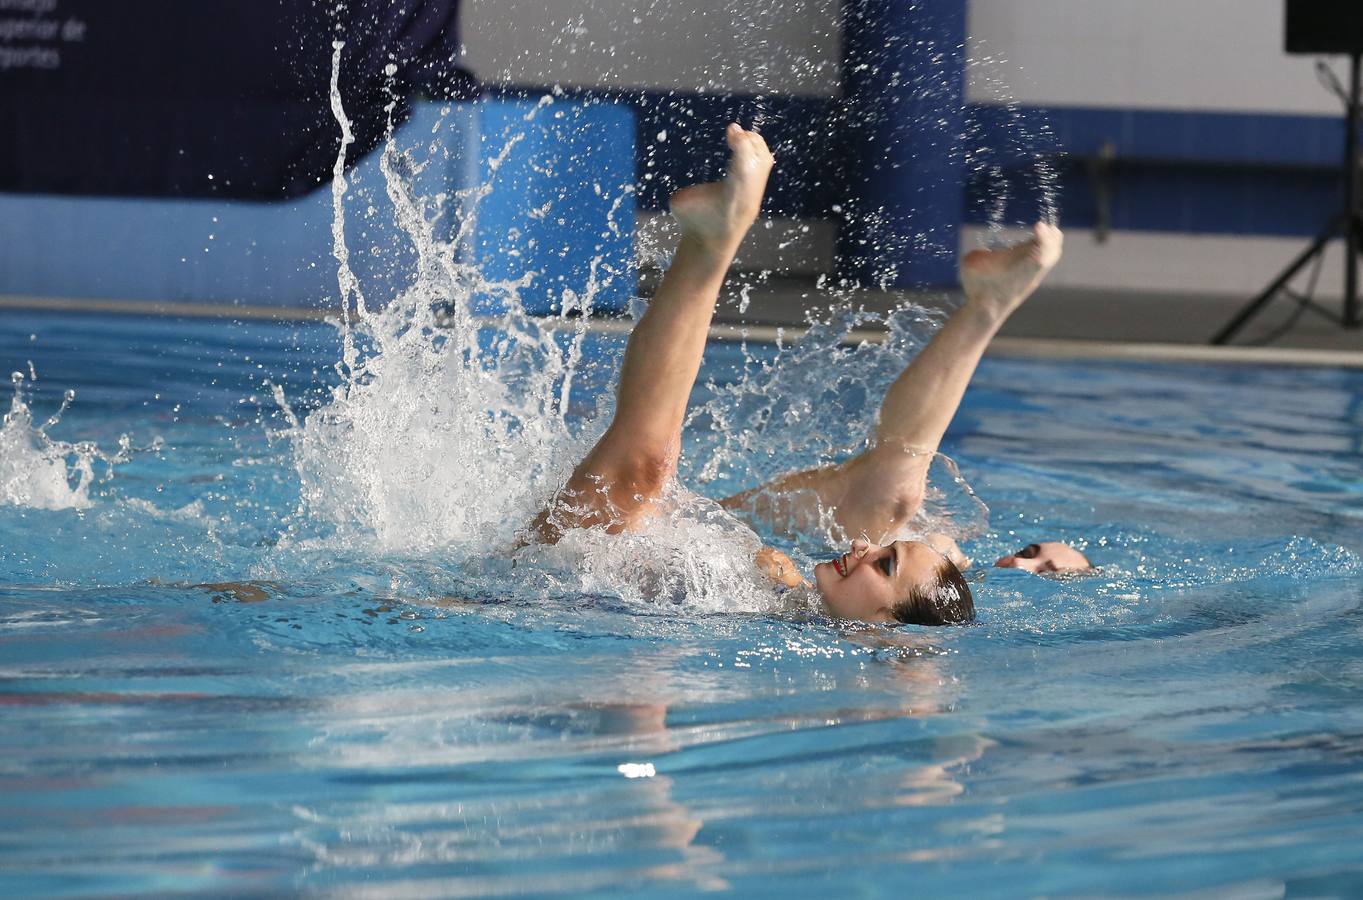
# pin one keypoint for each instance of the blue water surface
(1189, 719)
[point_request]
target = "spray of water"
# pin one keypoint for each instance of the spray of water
(39, 471)
(1007, 150)
(443, 430)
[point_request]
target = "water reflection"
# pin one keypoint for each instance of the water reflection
(603, 771)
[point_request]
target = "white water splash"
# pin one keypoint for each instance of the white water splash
(448, 428)
(38, 471)
(438, 435)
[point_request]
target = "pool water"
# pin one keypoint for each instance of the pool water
(390, 720)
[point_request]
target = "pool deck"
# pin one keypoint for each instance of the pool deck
(1072, 322)
(1055, 323)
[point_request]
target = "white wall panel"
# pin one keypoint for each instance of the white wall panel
(1191, 264)
(1223, 55)
(1175, 54)
(749, 46)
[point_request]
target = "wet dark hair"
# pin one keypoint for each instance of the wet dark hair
(945, 600)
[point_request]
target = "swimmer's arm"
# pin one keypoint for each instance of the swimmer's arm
(240, 591)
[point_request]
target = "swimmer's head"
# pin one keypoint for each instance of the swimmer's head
(906, 581)
(1046, 558)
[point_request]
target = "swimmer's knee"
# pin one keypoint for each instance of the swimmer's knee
(630, 466)
(648, 472)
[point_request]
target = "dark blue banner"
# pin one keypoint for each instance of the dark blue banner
(193, 98)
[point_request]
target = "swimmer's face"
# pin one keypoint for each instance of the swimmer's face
(1046, 557)
(866, 583)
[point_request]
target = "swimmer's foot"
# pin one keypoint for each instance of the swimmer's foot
(721, 212)
(997, 281)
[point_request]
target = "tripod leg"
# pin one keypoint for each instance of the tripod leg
(1351, 317)
(1252, 308)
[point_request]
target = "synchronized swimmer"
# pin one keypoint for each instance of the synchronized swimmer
(624, 477)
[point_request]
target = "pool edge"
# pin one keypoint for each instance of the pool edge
(1010, 347)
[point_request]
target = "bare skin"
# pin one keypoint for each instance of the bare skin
(1045, 558)
(879, 490)
(621, 480)
(623, 476)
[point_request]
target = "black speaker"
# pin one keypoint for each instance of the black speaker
(1324, 26)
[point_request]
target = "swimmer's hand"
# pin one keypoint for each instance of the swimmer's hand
(948, 548)
(779, 568)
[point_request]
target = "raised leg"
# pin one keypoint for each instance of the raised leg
(635, 459)
(878, 491)
(921, 403)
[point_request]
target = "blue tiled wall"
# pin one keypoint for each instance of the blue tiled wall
(214, 251)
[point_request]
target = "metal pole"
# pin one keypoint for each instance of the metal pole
(1351, 194)
(1252, 308)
